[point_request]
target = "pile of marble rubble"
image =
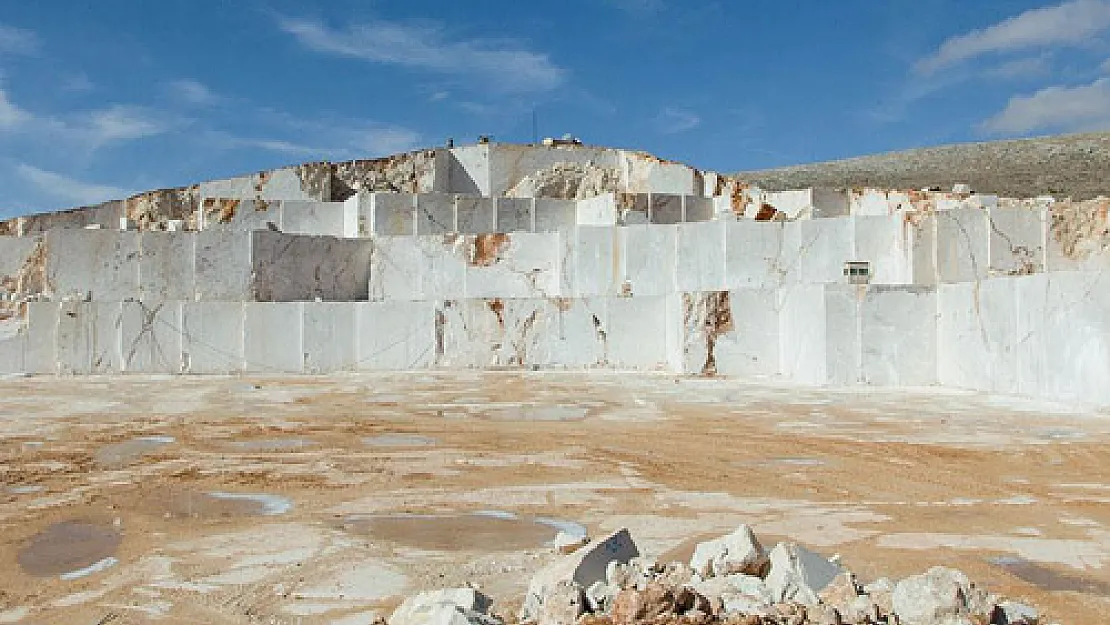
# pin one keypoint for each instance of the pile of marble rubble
(729, 580)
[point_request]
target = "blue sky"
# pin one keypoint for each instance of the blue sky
(101, 99)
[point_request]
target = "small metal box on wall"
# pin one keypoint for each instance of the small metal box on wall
(857, 271)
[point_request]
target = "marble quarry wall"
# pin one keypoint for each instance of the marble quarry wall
(495, 256)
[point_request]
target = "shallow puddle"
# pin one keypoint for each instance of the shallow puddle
(70, 549)
(539, 413)
(1048, 579)
(478, 531)
(275, 444)
(399, 440)
(122, 454)
(215, 505)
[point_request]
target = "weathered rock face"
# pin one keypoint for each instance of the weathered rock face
(413, 172)
(568, 181)
(155, 209)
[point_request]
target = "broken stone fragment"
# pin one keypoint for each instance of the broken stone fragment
(454, 606)
(637, 606)
(929, 598)
(841, 592)
(563, 604)
(737, 594)
(566, 542)
(583, 567)
(1014, 613)
(798, 574)
(738, 552)
(599, 597)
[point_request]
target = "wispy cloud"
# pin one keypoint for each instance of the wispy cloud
(1068, 24)
(65, 188)
(87, 130)
(17, 40)
(674, 120)
(193, 92)
(1057, 108)
(495, 63)
(1021, 69)
(343, 139)
(11, 116)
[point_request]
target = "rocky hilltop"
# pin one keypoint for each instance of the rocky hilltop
(1075, 166)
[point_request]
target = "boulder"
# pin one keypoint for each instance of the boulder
(599, 597)
(632, 606)
(738, 552)
(931, 597)
(798, 574)
(583, 567)
(563, 604)
(737, 594)
(454, 606)
(1014, 613)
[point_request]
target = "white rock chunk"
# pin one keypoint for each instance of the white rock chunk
(454, 606)
(738, 552)
(583, 567)
(1015, 613)
(798, 574)
(940, 593)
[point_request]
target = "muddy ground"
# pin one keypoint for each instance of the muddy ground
(324, 500)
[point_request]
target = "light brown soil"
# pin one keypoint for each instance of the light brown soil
(894, 482)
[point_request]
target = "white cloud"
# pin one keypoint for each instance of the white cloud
(193, 92)
(1069, 24)
(11, 116)
(119, 123)
(384, 140)
(1018, 69)
(1105, 67)
(340, 140)
(68, 189)
(1058, 108)
(17, 40)
(672, 120)
(499, 64)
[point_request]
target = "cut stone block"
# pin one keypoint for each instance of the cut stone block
(212, 337)
(329, 337)
(272, 337)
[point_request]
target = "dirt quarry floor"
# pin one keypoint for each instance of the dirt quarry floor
(325, 500)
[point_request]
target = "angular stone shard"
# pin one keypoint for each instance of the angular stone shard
(583, 567)
(798, 574)
(738, 552)
(454, 606)
(940, 593)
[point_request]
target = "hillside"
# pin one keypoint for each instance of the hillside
(1067, 165)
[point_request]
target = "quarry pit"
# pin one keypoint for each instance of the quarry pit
(327, 499)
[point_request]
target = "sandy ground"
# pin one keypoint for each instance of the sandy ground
(324, 500)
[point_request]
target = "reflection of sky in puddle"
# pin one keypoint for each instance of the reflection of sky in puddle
(486, 530)
(1047, 579)
(273, 444)
(271, 505)
(126, 452)
(399, 440)
(70, 550)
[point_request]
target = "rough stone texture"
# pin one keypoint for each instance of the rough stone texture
(738, 552)
(288, 268)
(454, 606)
(924, 599)
(583, 567)
(412, 172)
(798, 574)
